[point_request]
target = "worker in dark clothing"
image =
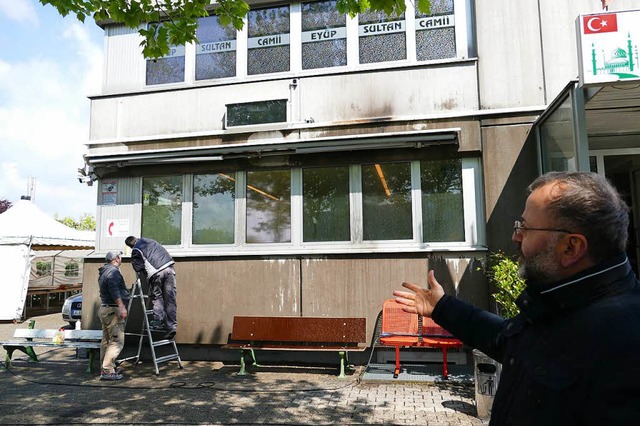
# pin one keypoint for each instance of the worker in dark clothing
(150, 258)
(570, 356)
(112, 313)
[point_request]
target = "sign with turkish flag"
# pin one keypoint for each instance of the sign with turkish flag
(600, 23)
(608, 47)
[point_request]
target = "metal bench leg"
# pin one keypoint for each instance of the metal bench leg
(253, 357)
(342, 364)
(445, 371)
(242, 371)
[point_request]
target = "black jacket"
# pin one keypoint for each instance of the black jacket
(150, 257)
(112, 285)
(571, 357)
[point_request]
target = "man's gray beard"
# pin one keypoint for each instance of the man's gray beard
(542, 267)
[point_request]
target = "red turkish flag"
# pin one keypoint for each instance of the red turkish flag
(596, 24)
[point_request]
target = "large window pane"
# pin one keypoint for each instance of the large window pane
(162, 208)
(324, 36)
(168, 69)
(442, 208)
(556, 139)
(214, 208)
(325, 196)
(216, 53)
(269, 206)
(268, 42)
(386, 201)
(382, 38)
(435, 32)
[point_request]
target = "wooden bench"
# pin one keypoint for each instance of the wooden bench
(30, 338)
(341, 335)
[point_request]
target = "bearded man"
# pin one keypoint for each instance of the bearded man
(571, 356)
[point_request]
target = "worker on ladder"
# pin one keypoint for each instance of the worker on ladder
(149, 258)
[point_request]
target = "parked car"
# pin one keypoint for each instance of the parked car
(72, 309)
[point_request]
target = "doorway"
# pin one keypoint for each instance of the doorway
(622, 168)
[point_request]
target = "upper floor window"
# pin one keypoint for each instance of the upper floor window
(162, 208)
(268, 42)
(435, 32)
(382, 38)
(168, 69)
(216, 53)
(324, 35)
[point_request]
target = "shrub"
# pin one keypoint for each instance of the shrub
(502, 272)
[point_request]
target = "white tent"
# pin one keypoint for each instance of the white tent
(24, 228)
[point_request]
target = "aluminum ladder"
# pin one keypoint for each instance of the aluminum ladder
(137, 293)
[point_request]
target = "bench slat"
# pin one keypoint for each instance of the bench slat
(28, 333)
(66, 344)
(299, 329)
(293, 347)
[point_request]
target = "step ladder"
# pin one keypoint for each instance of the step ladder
(146, 333)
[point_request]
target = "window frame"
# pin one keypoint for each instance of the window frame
(473, 212)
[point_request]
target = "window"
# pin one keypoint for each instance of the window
(325, 195)
(43, 269)
(71, 269)
(162, 208)
(435, 33)
(442, 209)
(216, 53)
(268, 41)
(324, 36)
(269, 206)
(257, 113)
(386, 201)
(168, 69)
(382, 38)
(214, 208)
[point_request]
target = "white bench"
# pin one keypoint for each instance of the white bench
(30, 338)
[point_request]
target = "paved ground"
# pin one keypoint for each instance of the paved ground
(58, 391)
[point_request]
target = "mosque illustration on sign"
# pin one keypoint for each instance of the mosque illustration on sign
(620, 62)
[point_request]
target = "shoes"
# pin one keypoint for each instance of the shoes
(170, 334)
(156, 326)
(111, 376)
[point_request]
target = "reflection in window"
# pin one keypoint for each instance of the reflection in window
(71, 269)
(268, 41)
(262, 112)
(324, 36)
(386, 201)
(214, 208)
(168, 69)
(162, 208)
(216, 52)
(269, 206)
(556, 139)
(326, 204)
(435, 32)
(382, 37)
(442, 208)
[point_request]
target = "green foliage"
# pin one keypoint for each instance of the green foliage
(86, 222)
(502, 272)
(180, 17)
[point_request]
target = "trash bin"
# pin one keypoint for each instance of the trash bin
(486, 375)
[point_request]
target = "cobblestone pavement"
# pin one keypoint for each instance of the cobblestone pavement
(57, 390)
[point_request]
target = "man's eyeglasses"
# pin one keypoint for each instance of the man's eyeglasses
(519, 228)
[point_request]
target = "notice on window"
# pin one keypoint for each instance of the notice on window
(109, 192)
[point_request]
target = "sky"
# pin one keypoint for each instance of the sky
(49, 65)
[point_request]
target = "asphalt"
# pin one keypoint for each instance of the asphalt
(57, 390)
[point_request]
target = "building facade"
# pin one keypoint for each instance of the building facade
(311, 162)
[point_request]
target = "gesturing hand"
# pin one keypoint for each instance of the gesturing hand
(421, 301)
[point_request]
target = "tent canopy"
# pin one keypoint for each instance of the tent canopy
(25, 223)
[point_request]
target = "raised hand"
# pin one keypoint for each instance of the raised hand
(420, 301)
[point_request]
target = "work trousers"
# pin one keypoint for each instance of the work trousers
(112, 337)
(163, 297)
